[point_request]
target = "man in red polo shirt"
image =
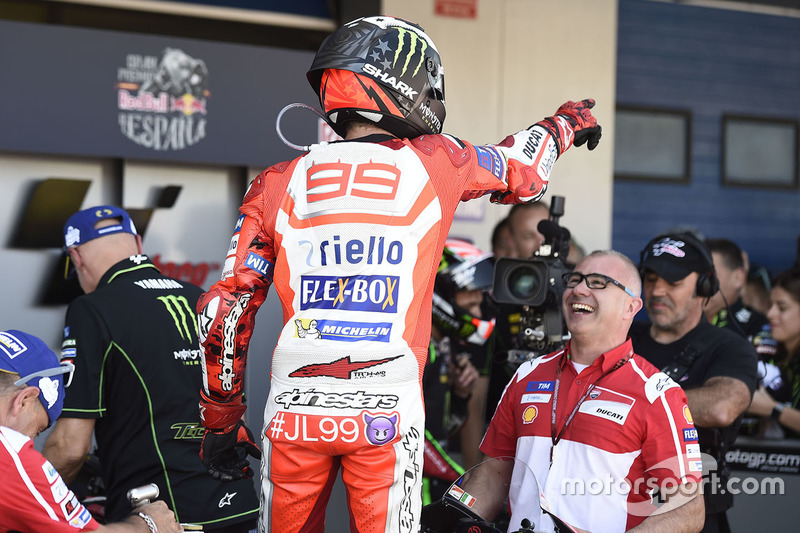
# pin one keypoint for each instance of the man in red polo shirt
(598, 432)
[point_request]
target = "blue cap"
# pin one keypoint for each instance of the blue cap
(37, 366)
(80, 227)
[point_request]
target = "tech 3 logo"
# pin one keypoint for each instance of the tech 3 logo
(182, 314)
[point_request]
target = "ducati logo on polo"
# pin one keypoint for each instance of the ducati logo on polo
(608, 404)
(341, 368)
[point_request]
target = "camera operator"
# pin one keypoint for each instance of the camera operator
(593, 407)
(526, 294)
(523, 222)
(716, 367)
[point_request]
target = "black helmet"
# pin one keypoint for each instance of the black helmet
(463, 267)
(383, 70)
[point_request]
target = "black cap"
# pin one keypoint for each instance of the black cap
(674, 256)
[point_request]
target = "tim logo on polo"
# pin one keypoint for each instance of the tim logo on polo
(352, 293)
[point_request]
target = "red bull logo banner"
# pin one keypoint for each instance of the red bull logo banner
(162, 101)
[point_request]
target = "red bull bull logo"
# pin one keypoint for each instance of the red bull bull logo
(162, 101)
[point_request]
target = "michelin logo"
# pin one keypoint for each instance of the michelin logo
(337, 330)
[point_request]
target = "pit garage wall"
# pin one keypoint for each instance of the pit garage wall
(514, 64)
(710, 62)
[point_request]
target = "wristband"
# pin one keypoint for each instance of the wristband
(777, 410)
(151, 524)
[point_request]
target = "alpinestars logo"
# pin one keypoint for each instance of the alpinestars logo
(182, 315)
(341, 368)
(229, 324)
(410, 480)
(162, 101)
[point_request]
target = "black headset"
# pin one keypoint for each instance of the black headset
(707, 282)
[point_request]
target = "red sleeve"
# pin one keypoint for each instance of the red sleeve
(33, 497)
(516, 170)
(671, 452)
(501, 437)
(226, 313)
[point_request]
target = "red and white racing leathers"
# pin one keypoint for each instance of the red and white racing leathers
(631, 435)
(350, 235)
(33, 497)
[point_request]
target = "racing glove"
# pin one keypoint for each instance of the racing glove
(530, 153)
(224, 454)
(573, 123)
(227, 441)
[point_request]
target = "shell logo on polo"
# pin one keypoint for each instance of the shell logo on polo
(687, 414)
(529, 414)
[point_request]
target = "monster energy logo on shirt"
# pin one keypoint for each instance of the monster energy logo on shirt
(413, 40)
(182, 314)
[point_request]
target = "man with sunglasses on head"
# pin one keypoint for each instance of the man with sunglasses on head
(594, 428)
(715, 366)
(33, 497)
(134, 342)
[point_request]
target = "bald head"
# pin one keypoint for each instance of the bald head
(599, 317)
(628, 273)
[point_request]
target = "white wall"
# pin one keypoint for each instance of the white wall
(515, 64)
(23, 272)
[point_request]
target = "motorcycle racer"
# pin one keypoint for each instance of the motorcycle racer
(350, 234)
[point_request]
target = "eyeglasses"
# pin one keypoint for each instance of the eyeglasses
(64, 368)
(593, 281)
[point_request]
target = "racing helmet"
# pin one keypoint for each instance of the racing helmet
(383, 70)
(463, 267)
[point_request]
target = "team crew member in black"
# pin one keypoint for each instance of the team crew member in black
(726, 308)
(716, 367)
(133, 340)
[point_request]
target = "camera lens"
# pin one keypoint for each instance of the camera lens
(524, 282)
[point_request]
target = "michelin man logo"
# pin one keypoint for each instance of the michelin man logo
(311, 332)
(49, 389)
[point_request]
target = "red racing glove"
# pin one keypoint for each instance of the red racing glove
(573, 124)
(225, 454)
(227, 441)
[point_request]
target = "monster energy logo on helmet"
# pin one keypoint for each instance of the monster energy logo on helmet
(413, 40)
(182, 314)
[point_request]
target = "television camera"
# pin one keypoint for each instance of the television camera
(534, 285)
